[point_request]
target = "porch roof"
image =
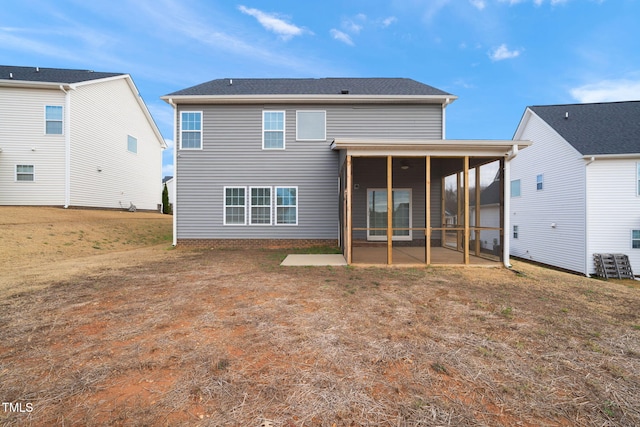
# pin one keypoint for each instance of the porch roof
(428, 147)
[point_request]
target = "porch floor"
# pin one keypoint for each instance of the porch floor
(415, 255)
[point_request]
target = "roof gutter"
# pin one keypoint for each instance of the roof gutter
(310, 99)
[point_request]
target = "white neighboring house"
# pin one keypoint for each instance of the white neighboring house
(576, 190)
(76, 138)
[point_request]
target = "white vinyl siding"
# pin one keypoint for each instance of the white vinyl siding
(24, 141)
(25, 173)
(191, 130)
(260, 204)
(235, 206)
(273, 130)
(613, 209)
(53, 119)
(311, 125)
(562, 202)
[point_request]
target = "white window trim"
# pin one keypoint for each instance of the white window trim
(324, 138)
(638, 179)
(15, 170)
(515, 232)
(275, 203)
(201, 130)
(284, 129)
(224, 204)
(396, 238)
(136, 139)
(541, 182)
(632, 239)
(47, 120)
(270, 206)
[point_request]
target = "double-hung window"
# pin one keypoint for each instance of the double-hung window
(515, 232)
(273, 130)
(539, 182)
(25, 173)
(191, 130)
(260, 200)
(311, 125)
(287, 205)
(635, 239)
(53, 119)
(235, 206)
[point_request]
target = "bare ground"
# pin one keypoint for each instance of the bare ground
(217, 338)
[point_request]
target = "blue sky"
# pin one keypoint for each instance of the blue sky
(497, 56)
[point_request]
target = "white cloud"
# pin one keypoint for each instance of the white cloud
(273, 23)
(340, 36)
(607, 91)
(535, 2)
(502, 52)
(478, 4)
(388, 21)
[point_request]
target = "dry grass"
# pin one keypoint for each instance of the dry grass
(229, 338)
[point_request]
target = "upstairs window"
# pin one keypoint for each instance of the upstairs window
(191, 130)
(132, 144)
(286, 205)
(311, 125)
(539, 182)
(515, 188)
(53, 120)
(25, 173)
(273, 130)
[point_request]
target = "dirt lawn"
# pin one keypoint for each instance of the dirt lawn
(139, 334)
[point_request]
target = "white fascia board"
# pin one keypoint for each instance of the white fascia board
(310, 99)
(611, 156)
(445, 147)
(33, 85)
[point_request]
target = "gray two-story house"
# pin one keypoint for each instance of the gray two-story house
(337, 161)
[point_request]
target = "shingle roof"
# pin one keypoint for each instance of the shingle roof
(51, 75)
(324, 86)
(600, 128)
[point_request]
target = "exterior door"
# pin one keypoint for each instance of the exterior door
(377, 213)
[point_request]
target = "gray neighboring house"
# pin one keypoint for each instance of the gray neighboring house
(339, 161)
(576, 191)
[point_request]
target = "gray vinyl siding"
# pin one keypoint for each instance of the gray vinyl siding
(232, 155)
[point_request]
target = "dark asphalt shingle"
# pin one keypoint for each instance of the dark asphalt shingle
(51, 75)
(324, 86)
(599, 128)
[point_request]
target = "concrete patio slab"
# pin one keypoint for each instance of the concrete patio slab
(314, 260)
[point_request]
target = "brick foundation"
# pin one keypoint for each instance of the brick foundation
(254, 243)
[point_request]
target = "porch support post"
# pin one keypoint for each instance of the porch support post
(459, 207)
(427, 219)
(348, 234)
(477, 218)
(389, 211)
(466, 210)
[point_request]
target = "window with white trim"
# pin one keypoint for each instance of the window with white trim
(638, 178)
(273, 130)
(635, 239)
(286, 205)
(191, 130)
(25, 173)
(260, 202)
(515, 188)
(539, 182)
(311, 125)
(53, 120)
(132, 144)
(235, 206)
(515, 231)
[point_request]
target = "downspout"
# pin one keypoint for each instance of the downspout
(174, 208)
(507, 204)
(67, 146)
(444, 117)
